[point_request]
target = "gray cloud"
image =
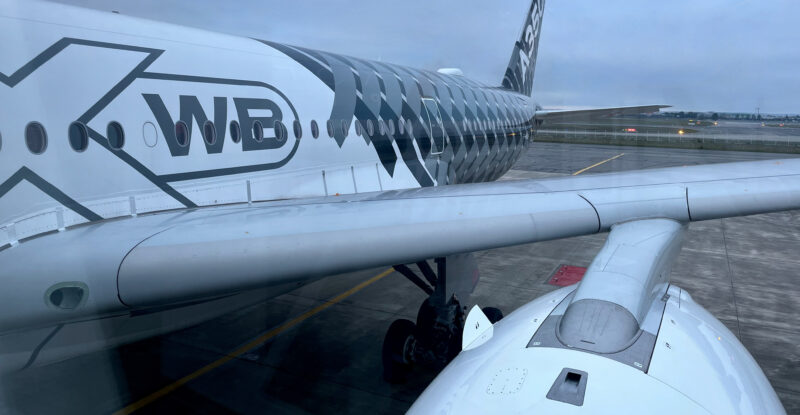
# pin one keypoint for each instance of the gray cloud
(724, 55)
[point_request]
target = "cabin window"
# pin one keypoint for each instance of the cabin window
(298, 129)
(1, 141)
(236, 131)
(409, 128)
(78, 136)
(209, 133)
(258, 131)
(358, 128)
(181, 134)
(370, 128)
(116, 135)
(401, 126)
(330, 128)
(390, 126)
(381, 127)
(280, 131)
(36, 138)
(345, 127)
(314, 129)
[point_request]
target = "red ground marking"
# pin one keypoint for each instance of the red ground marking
(566, 275)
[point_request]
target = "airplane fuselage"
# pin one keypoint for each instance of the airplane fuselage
(108, 117)
(123, 116)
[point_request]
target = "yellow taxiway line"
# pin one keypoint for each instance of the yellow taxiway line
(248, 346)
(597, 164)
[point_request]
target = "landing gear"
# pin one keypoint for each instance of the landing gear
(493, 314)
(438, 332)
(396, 350)
(435, 339)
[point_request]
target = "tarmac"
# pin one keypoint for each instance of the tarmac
(318, 349)
(748, 136)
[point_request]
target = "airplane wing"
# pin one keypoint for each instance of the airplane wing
(582, 114)
(161, 259)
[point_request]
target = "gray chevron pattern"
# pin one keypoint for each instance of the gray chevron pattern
(486, 128)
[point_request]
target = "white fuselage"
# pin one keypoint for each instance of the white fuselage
(104, 70)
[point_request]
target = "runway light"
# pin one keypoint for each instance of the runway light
(680, 132)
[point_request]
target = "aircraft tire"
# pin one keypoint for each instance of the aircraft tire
(493, 314)
(395, 364)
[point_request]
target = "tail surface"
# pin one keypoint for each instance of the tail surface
(519, 74)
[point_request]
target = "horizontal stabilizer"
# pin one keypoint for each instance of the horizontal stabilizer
(572, 115)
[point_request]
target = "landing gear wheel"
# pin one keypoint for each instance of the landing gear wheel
(395, 362)
(493, 314)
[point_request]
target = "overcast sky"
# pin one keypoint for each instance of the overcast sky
(721, 55)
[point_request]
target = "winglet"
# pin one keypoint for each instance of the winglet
(477, 329)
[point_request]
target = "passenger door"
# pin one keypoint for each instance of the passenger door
(435, 125)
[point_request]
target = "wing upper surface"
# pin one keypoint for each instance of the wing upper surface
(582, 114)
(298, 240)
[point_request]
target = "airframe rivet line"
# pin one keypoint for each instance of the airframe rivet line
(248, 346)
(597, 164)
